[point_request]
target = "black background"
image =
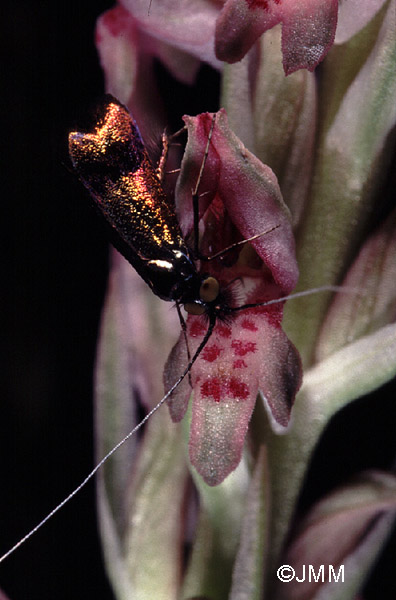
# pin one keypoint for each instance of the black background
(53, 285)
(52, 290)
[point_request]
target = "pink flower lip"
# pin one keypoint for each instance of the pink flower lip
(247, 351)
(308, 29)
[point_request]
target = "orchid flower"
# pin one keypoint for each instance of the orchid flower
(221, 522)
(250, 352)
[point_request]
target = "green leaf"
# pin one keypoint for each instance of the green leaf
(355, 370)
(374, 273)
(344, 531)
(284, 112)
(248, 575)
(276, 117)
(154, 541)
(358, 114)
(141, 488)
(236, 99)
(217, 534)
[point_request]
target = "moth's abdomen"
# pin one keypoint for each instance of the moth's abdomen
(137, 197)
(113, 164)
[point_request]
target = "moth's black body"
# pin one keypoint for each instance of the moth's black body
(113, 164)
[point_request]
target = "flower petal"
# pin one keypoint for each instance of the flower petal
(188, 25)
(308, 33)
(252, 351)
(174, 367)
(117, 43)
(308, 29)
(218, 433)
(126, 55)
(225, 385)
(280, 372)
(248, 189)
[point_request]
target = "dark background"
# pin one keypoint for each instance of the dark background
(53, 285)
(52, 290)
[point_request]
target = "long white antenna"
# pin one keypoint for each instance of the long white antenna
(87, 478)
(111, 452)
(326, 288)
(323, 288)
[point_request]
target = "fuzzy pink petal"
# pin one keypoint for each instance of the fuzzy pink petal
(188, 25)
(308, 32)
(126, 55)
(239, 25)
(308, 29)
(218, 433)
(225, 388)
(248, 189)
(180, 64)
(117, 43)
(251, 353)
(280, 372)
(174, 367)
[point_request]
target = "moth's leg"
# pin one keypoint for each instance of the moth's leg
(167, 141)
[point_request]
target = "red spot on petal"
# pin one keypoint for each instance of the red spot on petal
(249, 325)
(212, 389)
(258, 4)
(210, 353)
(238, 389)
(217, 388)
(239, 364)
(273, 314)
(197, 328)
(224, 331)
(241, 348)
(263, 4)
(114, 20)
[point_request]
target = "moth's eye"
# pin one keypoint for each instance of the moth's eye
(192, 308)
(209, 289)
